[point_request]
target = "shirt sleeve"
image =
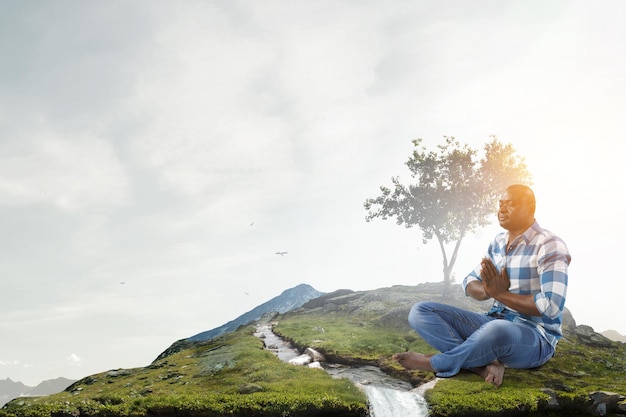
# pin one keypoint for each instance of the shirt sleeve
(552, 263)
(473, 276)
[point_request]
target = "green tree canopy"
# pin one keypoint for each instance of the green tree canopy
(454, 191)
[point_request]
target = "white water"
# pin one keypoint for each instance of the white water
(390, 402)
(387, 396)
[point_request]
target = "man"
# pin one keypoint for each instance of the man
(525, 272)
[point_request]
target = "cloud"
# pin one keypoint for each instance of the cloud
(69, 172)
(62, 69)
(74, 360)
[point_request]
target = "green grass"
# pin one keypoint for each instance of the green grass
(231, 375)
(464, 395)
(348, 336)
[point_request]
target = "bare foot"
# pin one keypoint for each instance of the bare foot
(493, 373)
(414, 360)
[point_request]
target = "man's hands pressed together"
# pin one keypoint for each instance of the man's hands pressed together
(494, 283)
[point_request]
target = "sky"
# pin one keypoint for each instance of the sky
(154, 155)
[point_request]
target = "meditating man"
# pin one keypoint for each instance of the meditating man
(525, 272)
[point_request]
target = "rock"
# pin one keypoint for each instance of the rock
(396, 318)
(310, 355)
(559, 386)
(600, 409)
(118, 372)
(315, 355)
(568, 320)
(301, 360)
(588, 336)
(249, 388)
(320, 301)
(604, 402)
(553, 402)
(421, 390)
(315, 365)
(606, 397)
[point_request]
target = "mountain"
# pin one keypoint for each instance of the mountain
(288, 300)
(614, 336)
(10, 389)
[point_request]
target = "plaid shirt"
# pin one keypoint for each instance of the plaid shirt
(536, 264)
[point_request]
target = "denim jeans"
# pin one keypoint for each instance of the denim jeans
(470, 340)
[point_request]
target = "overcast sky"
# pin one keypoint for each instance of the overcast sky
(154, 155)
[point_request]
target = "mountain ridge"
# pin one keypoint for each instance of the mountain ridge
(614, 335)
(10, 389)
(287, 300)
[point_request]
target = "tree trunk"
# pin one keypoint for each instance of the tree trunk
(448, 266)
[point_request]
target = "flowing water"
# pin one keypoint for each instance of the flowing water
(387, 396)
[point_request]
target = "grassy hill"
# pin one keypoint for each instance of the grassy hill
(371, 326)
(234, 375)
(229, 375)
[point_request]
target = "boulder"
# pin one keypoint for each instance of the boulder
(589, 337)
(301, 360)
(604, 402)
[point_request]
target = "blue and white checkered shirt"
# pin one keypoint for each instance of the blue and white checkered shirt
(536, 264)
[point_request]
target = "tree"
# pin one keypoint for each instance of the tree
(454, 192)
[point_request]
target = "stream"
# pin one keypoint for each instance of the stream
(387, 396)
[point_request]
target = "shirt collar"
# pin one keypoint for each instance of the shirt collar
(529, 234)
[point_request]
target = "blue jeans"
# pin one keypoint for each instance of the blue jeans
(470, 340)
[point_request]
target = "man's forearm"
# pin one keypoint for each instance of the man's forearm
(524, 304)
(475, 290)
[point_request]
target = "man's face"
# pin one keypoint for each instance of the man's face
(515, 212)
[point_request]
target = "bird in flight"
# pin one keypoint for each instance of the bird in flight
(281, 253)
